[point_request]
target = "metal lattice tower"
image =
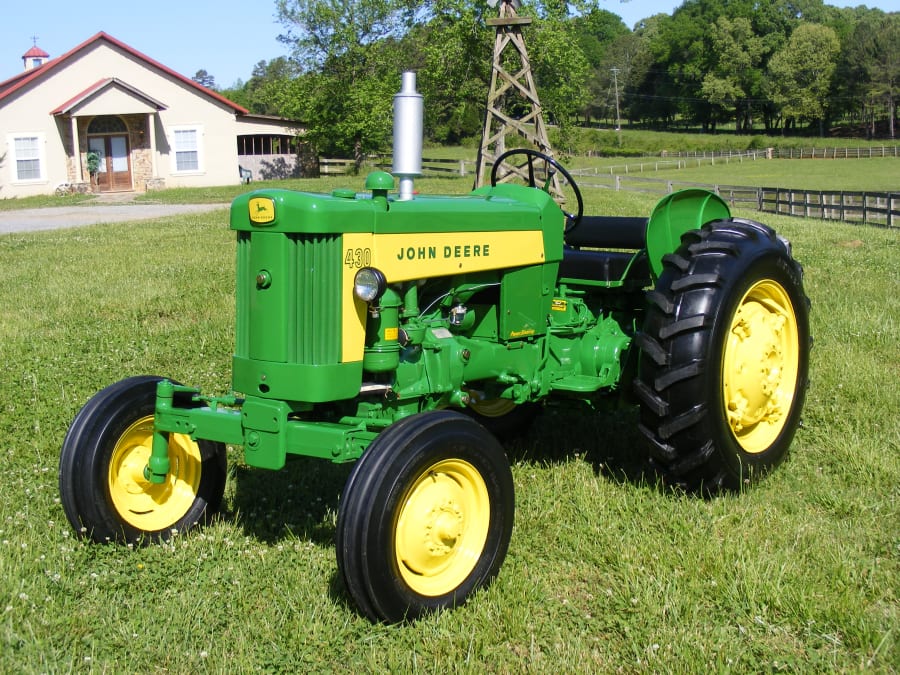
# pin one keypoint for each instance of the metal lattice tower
(511, 77)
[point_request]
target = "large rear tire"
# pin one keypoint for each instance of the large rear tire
(425, 518)
(101, 482)
(725, 357)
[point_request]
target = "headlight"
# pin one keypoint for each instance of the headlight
(369, 284)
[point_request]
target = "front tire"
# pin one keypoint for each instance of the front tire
(426, 517)
(101, 483)
(725, 357)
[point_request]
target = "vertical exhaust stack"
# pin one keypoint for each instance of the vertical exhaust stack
(408, 126)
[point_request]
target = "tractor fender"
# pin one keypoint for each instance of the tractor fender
(676, 214)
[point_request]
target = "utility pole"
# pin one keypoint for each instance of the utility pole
(615, 72)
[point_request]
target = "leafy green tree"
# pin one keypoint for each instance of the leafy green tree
(801, 74)
(737, 53)
(452, 77)
(319, 31)
(560, 71)
(595, 34)
(205, 79)
(870, 66)
(264, 92)
(349, 55)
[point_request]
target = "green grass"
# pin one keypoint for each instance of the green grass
(605, 572)
(873, 175)
(41, 201)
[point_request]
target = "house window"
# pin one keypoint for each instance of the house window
(186, 143)
(28, 157)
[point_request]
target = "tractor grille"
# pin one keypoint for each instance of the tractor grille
(297, 319)
(318, 299)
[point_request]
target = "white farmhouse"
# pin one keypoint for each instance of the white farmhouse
(138, 124)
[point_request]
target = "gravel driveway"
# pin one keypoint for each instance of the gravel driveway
(58, 217)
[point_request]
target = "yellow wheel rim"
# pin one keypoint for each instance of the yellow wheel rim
(150, 506)
(492, 407)
(760, 366)
(442, 527)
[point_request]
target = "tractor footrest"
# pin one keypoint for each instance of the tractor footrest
(605, 266)
(580, 384)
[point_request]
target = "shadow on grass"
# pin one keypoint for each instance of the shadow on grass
(301, 500)
(607, 438)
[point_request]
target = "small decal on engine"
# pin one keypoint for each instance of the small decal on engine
(262, 210)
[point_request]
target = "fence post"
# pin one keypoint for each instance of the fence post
(618, 183)
(462, 167)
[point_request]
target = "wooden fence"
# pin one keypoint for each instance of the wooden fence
(872, 208)
(836, 153)
(430, 167)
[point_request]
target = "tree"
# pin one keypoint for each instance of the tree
(205, 79)
(452, 79)
(801, 73)
(349, 52)
(596, 33)
(319, 31)
(730, 84)
(870, 64)
(264, 92)
(560, 71)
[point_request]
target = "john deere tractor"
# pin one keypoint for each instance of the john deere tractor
(404, 332)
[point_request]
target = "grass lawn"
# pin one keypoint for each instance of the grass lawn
(872, 175)
(605, 572)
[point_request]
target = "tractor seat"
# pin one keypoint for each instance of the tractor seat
(609, 232)
(606, 232)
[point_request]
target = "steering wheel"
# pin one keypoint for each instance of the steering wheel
(572, 219)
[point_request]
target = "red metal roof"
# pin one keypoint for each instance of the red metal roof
(21, 80)
(35, 52)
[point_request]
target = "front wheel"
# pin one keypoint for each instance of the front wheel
(101, 470)
(425, 518)
(725, 357)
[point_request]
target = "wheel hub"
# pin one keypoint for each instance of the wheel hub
(442, 527)
(760, 366)
(152, 507)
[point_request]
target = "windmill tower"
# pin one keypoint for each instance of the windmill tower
(511, 77)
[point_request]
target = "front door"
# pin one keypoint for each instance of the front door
(114, 172)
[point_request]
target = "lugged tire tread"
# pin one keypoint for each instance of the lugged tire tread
(681, 417)
(674, 375)
(652, 348)
(660, 407)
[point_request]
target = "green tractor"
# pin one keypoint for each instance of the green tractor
(406, 332)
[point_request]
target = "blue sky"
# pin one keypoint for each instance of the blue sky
(226, 38)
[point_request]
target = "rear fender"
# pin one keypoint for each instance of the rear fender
(676, 214)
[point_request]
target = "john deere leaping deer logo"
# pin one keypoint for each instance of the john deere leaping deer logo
(262, 210)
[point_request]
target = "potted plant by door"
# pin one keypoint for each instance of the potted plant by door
(93, 166)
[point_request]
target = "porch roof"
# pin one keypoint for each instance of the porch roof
(109, 96)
